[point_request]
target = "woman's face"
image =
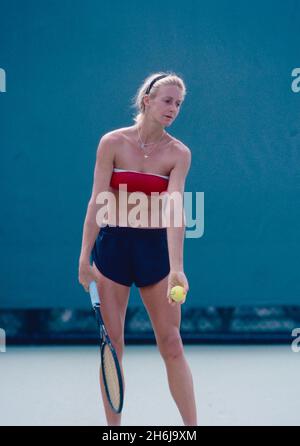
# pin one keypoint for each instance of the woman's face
(165, 106)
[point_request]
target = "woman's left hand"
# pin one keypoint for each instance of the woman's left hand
(177, 278)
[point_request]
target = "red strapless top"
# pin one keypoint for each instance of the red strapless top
(139, 181)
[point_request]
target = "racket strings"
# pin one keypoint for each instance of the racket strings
(112, 378)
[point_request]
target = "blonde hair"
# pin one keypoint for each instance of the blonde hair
(170, 79)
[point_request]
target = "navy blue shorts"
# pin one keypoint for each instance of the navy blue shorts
(132, 255)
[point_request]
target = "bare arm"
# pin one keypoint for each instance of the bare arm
(102, 175)
(175, 234)
(176, 184)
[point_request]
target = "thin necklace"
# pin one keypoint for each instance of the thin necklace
(143, 145)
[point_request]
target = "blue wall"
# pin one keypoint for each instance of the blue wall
(71, 70)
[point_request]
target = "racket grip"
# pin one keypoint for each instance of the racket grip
(94, 293)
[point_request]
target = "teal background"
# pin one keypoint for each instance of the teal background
(72, 68)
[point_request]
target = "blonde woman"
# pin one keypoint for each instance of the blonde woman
(142, 159)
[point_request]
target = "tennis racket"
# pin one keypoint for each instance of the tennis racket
(110, 366)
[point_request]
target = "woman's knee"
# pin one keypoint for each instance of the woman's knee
(116, 336)
(170, 346)
(118, 345)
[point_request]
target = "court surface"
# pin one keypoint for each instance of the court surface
(234, 385)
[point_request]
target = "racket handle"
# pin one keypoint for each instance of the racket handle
(94, 293)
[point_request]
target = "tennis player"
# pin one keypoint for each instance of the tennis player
(143, 158)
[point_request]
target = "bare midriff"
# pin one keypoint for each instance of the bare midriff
(146, 210)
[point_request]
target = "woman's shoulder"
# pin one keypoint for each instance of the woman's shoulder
(117, 134)
(109, 143)
(179, 147)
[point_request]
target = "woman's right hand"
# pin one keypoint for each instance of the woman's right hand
(86, 274)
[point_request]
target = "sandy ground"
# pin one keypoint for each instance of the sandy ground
(234, 386)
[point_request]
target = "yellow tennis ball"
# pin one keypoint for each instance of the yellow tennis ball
(177, 293)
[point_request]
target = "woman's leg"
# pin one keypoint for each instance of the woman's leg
(166, 324)
(114, 300)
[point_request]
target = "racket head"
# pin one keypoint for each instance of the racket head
(110, 367)
(112, 377)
